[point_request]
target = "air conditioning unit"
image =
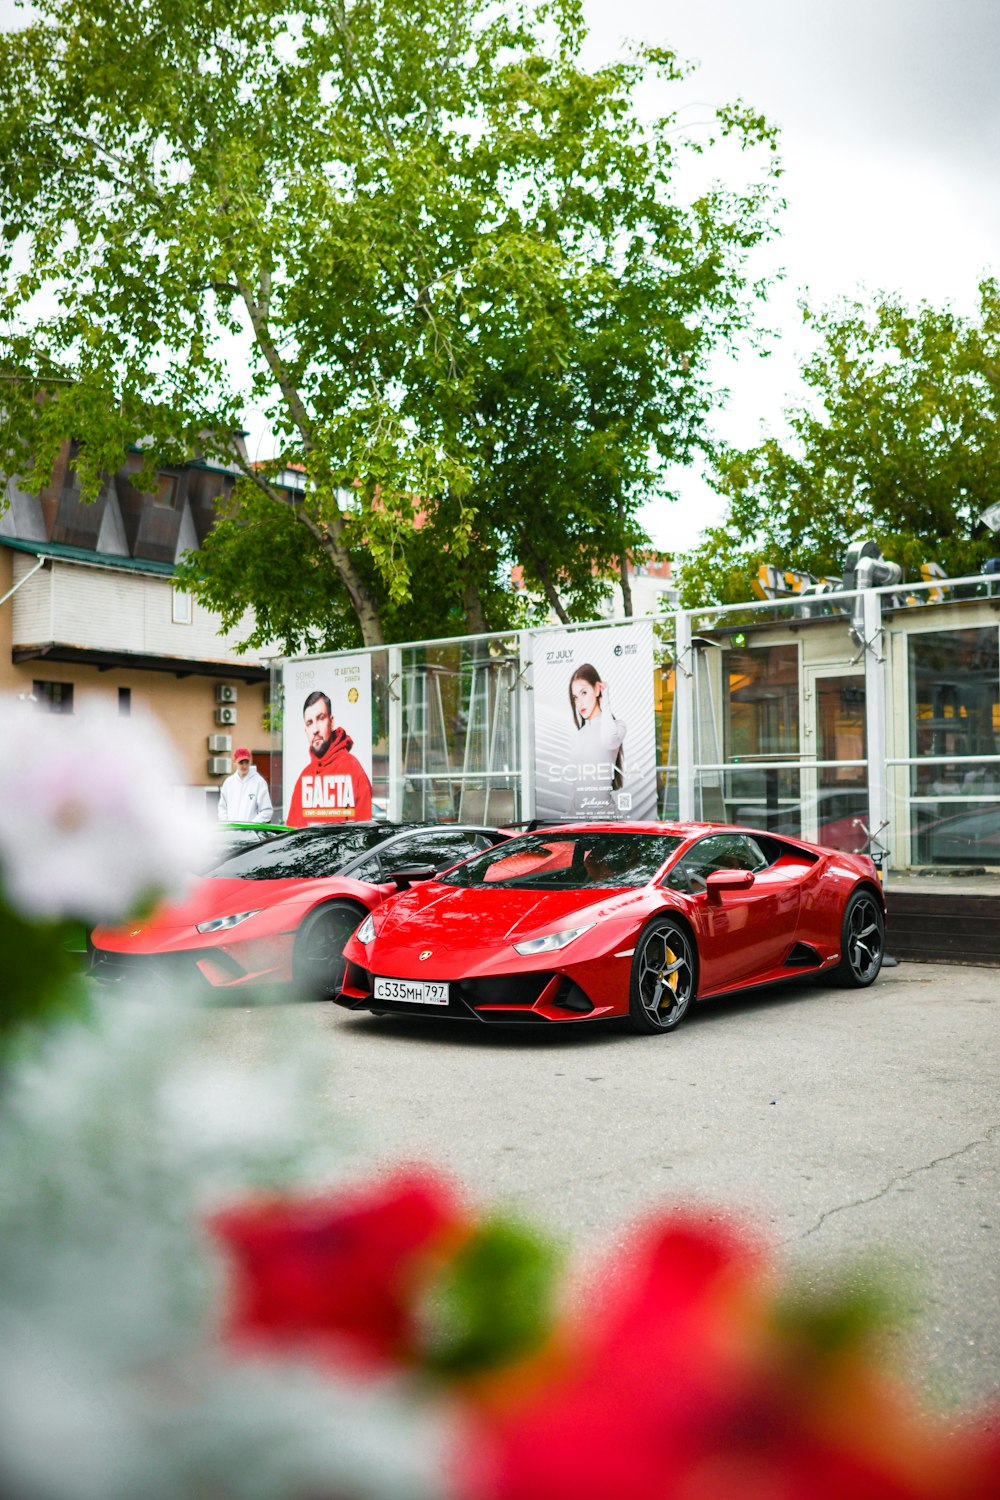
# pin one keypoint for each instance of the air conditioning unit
(225, 716)
(220, 743)
(225, 692)
(219, 765)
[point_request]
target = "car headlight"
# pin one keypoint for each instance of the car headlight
(366, 932)
(552, 942)
(218, 924)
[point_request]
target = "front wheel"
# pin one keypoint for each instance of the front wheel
(319, 949)
(664, 975)
(862, 942)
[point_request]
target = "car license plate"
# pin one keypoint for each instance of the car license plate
(412, 991)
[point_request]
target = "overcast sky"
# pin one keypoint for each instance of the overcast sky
(890, 119)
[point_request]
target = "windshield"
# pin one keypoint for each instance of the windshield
(571, 861)
(306, 854)
(230, 840)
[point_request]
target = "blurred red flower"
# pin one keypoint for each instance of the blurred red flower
(341, 1274)
(687, 1381)
(684, 1373)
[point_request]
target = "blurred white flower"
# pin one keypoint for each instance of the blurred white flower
(198, 1425)
(92, 825)
(114, 1378)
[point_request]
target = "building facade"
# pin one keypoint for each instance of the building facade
(89, 609)
(865, 719)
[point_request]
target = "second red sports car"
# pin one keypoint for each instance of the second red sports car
(280, 912)
(618, 920)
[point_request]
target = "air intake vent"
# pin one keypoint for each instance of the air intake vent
(569, 996)
(803, 957)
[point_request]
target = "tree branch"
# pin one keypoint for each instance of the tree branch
(626, 586)
(548, 587)
(294, 402)
(373, 100)
(623, 567)
(449, 58)
(328, 534)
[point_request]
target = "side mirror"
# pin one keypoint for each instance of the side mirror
(721, 881)
(409, 874)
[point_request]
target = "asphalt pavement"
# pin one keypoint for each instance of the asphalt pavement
(845, 1126)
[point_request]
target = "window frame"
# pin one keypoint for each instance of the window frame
(678, 877)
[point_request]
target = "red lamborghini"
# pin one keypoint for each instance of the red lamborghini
(623, 920)
(280, 911)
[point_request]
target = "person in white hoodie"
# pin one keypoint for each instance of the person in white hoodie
(244, 797)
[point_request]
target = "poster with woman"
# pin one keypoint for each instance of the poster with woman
(327, 740)
(595, 747)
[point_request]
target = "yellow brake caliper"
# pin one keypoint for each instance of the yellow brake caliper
(671, 979)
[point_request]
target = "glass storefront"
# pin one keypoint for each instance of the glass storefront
(761, 730)
(460, 750)
(840, 820)
(664, 690)
(765, 717)
(954, 802)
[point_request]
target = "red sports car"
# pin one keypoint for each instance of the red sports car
(280, 912)
(594, 921)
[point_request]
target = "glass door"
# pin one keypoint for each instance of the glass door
(835, 770)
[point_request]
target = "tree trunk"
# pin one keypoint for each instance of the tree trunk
(329, 533)
(359, 594)
(555, 602)
(626, 587)
(472, 603)
(328, 536)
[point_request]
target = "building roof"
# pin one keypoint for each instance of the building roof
(62, 553)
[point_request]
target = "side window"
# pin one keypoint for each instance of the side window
(435, 847)
(719, 851)
(431, 847)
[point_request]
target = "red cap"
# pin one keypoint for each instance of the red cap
(241, 753)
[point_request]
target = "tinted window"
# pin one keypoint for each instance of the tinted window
(226, 843)
(432, 848)
(569, 861)
(720, 851)
(309, 853)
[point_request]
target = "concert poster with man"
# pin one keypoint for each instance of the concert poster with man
(327, 740)
(595, 743)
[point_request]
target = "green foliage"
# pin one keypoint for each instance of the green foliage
(846, 1310)
(261, 556)
(42, 980)
(495, 1302)
(261, 551)
(463, 282)
(898, 437)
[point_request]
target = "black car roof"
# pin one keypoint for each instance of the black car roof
(330, 830)
(305, 853)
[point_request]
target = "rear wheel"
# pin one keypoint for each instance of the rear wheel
(862, 942)
(319, 949)
(664, 975)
